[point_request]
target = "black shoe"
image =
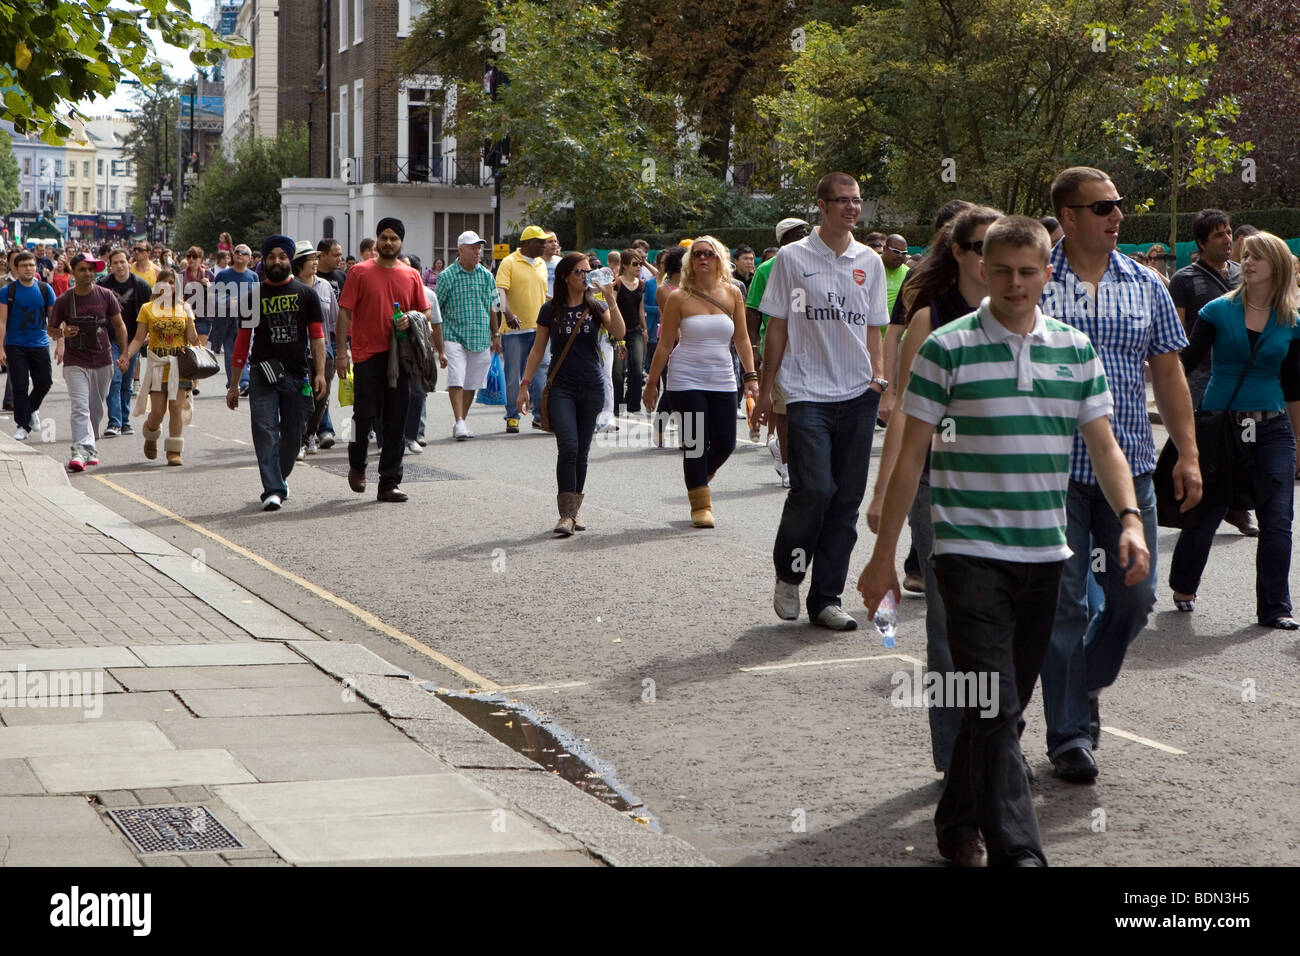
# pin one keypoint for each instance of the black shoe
(391, 494)
(967, 853)
(1244, 522)
(7, 407)
(1075, 765)
(1094, 721)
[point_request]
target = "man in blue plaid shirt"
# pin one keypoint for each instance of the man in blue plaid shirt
(1127, 313)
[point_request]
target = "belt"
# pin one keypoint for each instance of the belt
(1242, 417)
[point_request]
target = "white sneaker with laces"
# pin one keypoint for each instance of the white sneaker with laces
(302, 452)
(413, 447)
(459, 431)
(313, 446)
(271, 503)
(785, 600)
(21, 433)
(836, 618)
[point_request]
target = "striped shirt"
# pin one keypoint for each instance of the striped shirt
(1132, 318)
(829, 302)
(1005, 407)
(466, 300)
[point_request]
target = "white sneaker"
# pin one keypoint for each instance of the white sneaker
(836, 618)
(271, 503)
(785, 600)
(21, 433)
(774, 448)
(784, 472)
(468, 433)
(313, 446)
(414, 447)
(36, 422)
(302, 452)
(740, 412)
(459, 431)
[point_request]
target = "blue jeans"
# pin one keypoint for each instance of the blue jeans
(1087, 650)
(829, 453)
(573, 412)
(222, 339)
(1273, 453)
(945, 721)
(119, 397)
(278, 413)
(514, 356)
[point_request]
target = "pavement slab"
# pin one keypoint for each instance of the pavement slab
(211, 655)
(88, 772)
(58, 831)
(272, 701)
(66, 658)
(107, 739)
(150, 706)
(220, 676)
(346, 660)
(330, 761)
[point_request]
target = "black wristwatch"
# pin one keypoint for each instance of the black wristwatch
(1130, 511)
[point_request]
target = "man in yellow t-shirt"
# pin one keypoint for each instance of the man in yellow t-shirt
(521, 281)
(143, 266)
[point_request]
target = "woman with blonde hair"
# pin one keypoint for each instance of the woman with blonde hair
(1254, 342)
(165, 325)
(704, 317)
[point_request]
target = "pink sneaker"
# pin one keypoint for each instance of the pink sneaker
(92, 460)
(77, 463)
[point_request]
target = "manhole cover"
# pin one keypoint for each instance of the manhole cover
(410, 471)
(174, 829)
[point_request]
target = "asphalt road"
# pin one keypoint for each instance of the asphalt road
(760, 742)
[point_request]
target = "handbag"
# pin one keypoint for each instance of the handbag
(196, 362)
(1223, 464)
(543, 404)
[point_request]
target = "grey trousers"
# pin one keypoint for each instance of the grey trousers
(88, 396)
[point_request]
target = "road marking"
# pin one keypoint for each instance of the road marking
(361, 614)
(517, 688)
(763, 668)
(1144, 741)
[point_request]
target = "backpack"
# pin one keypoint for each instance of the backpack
(11, 293)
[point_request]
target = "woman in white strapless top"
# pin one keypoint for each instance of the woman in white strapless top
(703, 317)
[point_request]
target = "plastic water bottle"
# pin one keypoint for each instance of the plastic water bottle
(600, 277)
(397, 317)
(887, 620)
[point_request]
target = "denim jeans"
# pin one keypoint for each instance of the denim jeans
(514, 356)
(945, 721)
(828, 455)
(119, 398)
(1273, 453)
(375, 404)
(1000, 617)
(318, 423)
(414, 410)
(22, 363)
(629, 373)
(278, 414)
(707, 426)
(1087, 650)
(222, 339)
(573, 412)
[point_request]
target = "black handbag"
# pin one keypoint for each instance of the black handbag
(197, 361)
(1225, 465)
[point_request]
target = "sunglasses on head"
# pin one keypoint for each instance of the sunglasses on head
(1101, 207)
(976, 247)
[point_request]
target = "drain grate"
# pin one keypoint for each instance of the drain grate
(174, 829)
(410, 471)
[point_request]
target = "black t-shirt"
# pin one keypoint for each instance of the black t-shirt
(1193, 286)
(948, 307)
(285, 313)
(131, 295)
(335, 277)
(583, 367)
(629, 304)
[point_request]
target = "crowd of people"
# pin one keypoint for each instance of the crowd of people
(1009, 366)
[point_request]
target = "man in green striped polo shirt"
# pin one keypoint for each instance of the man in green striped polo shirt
(997, 397)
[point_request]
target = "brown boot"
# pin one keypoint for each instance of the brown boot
(565, 502)
(701, 506)
(174, 447)
(577, 506)
(151, 441)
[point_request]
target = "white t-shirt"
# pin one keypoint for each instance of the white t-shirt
(829, 302)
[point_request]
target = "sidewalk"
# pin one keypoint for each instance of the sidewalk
(134, 677)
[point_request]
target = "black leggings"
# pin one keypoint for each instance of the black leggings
(708, 431)
(573, 411)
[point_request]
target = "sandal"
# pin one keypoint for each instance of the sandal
(1186, 605)
(1284, 624)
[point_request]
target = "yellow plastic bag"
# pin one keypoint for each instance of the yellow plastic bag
(346, 389)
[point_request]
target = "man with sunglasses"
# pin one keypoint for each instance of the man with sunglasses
(826, 301)
(1128, 315)
(143, 266)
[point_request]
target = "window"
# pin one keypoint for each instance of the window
(404, 18)
(424, 111)
(27, 165)
(99, 196)
(358, 25)
(327, 228)
(72, 200)
(344, 142)
(85, 170)
(42, 199)
(343, 24)
(99, 167)
(27, 199)
(58, 167)
(358, 97)
(112, 197)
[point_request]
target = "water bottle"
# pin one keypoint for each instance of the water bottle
(397, 317)
(887, 620)
(600, 277)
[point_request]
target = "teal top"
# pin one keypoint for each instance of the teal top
(1262, 389)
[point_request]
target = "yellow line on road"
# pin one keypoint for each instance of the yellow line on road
(360, 613)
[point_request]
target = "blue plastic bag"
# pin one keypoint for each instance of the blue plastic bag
(494, 392)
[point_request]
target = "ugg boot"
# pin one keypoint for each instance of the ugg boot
(174, 447)
(701, 506)
(577, 506)
(565, 502)
(151, 436)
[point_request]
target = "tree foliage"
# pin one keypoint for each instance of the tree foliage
(241, 194)
(55, 52)
(9, 193)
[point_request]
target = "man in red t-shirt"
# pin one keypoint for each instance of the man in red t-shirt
(366, 306)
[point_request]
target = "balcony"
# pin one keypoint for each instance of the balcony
(447, 169)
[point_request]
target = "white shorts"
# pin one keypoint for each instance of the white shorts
(466, 369)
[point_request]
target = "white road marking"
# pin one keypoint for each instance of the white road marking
(1144, 741)
(763, 668)
(563, 685)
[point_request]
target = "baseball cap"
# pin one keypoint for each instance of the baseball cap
(469, 238)
(686, 242)
(303, 248)
(785, 225)
(80, 257)
(534, 232)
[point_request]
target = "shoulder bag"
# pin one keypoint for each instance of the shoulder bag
(543, 404)
(196, 362)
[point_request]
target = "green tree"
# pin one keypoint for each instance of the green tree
(582, 128)
(55, 52)
(1177, 129)
(9, 194)
(151, 144)
(241, 194)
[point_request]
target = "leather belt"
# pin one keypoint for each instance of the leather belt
(1243, 417)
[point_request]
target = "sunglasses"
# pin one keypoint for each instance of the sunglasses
(897, 252)
(1101, 207)
(976, 247)
(703, 254)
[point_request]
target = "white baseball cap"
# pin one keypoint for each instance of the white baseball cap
(469, 238)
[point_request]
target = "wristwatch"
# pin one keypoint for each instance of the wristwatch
(882, 382)
(1130, 511)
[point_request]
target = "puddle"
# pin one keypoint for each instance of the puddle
(533, 734)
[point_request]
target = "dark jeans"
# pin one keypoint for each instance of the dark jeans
(375, 403)
(414, 411)
(319, 423)
(119, 393)
(573, 412)
(222, 339)
(278, 413)
(1273, 454)
(629, 373)
(708, 432)
(24, 362)
(1000, 617)
(828, 455)
(945, 721)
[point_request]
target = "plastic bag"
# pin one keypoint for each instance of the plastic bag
(494, 392)
(346, 388)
